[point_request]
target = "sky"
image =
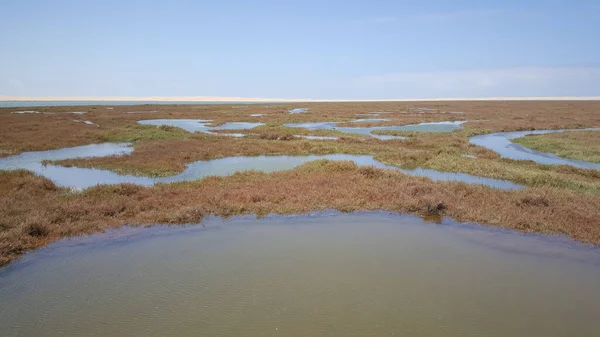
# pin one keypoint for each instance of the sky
(300, 49)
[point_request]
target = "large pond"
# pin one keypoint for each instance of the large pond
(76, 177)
(500, 142)
(365, 274)
(368, 131)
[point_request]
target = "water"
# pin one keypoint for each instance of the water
(422, 127)
(298, 110)
(423, 109)
(500, 142)
(22, 112)
(200, 125)
(364, 274)
(317, 137)
(23, 160)
(74, 177)
(80, 178)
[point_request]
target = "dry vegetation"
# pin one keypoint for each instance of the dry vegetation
(34, 212)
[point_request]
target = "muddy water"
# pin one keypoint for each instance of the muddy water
(368, 274)
(79, 178)
(423, 127)
(500, 142)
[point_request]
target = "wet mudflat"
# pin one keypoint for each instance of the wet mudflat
(362, 274)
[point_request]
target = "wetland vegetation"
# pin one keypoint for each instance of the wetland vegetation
(560, 199)
(583, 145)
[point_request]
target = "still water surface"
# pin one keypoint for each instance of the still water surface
(79, 178)
(363, 274)
(447, 126)
(200, 125)
(501, 143)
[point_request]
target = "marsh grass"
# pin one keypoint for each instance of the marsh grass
(438, 151)
(137, 133)
(580, 145)
(33, 212)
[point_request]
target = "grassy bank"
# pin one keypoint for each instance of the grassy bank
(34, 212)
(580, 145)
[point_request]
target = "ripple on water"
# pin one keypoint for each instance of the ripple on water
(367, 273)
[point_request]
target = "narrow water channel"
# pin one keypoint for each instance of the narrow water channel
(501, 143)
(447, 126)
(200, 125)
(75, 177)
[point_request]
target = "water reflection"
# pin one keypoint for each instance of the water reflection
(75, 177)
(365, 274)
(200, 125)
(447, 126)
(500, 143)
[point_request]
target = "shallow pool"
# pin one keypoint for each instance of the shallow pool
(447, 126)
(200, 125)
(298, 110)
(363, 274)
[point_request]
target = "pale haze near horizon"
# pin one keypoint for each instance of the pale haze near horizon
(307, 50)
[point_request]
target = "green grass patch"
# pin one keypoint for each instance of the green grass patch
(136, 133)
(580, 145)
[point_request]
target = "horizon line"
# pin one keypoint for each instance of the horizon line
(273, 100)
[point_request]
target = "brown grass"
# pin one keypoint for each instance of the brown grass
(33, 132)
(441, 151)
(34, 212)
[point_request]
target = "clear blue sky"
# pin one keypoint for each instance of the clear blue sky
(300, 49)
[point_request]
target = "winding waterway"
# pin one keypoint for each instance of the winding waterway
(368, 131)
(78, 178)
(200, 125)
(500, 143)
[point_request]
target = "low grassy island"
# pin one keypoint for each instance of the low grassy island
(581, 145)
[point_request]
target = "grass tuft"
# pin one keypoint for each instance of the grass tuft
(536, 201)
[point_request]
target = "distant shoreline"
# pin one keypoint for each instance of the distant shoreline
(219, 99)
